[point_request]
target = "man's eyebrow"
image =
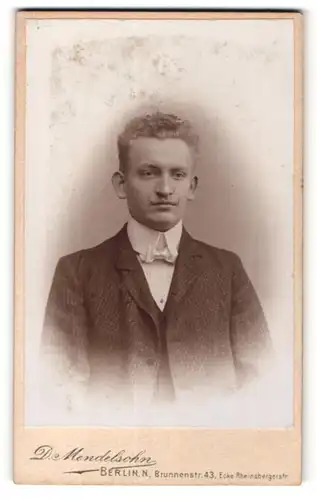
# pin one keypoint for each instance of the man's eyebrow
(148, 165)
(158, 167)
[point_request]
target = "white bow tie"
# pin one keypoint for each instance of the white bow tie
(159, 251)
(152, 255)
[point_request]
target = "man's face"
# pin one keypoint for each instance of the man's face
(158, 181)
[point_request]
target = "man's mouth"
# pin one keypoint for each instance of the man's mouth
(164, 203)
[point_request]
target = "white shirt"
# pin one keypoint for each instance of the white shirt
(158, 273)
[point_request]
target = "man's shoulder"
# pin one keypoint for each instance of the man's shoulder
(105, 251)
(218, 255)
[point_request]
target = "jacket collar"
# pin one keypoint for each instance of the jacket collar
(188, 268)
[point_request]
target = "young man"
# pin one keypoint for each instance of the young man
(152, 314)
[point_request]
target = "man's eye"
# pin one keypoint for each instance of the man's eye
(179, 175)
(146, 173)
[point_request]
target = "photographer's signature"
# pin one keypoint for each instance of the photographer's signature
(115, 459)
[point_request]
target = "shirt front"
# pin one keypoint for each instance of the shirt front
(158, 273)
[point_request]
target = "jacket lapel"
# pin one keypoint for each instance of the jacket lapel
(133, 278)
(189, 267)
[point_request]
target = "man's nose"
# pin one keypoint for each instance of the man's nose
(164, 186)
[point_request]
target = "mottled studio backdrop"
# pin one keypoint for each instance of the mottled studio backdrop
(234, 81)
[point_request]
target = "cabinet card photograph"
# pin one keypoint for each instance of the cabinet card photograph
(158, 247)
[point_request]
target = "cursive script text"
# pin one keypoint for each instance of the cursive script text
(122, 457)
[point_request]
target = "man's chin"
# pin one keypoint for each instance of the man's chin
(162, 223)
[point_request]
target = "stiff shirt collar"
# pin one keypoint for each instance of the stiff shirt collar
(142, 237)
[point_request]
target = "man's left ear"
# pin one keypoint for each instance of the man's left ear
(193, 186)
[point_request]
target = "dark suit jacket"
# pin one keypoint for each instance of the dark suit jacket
(102, 319)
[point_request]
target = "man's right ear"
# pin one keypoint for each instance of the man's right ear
(118, 182)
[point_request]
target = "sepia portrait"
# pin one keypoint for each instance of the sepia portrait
(159, 222)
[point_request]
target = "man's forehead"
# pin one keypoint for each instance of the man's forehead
(160, 150)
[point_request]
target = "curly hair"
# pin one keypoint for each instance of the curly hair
(159, 125)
